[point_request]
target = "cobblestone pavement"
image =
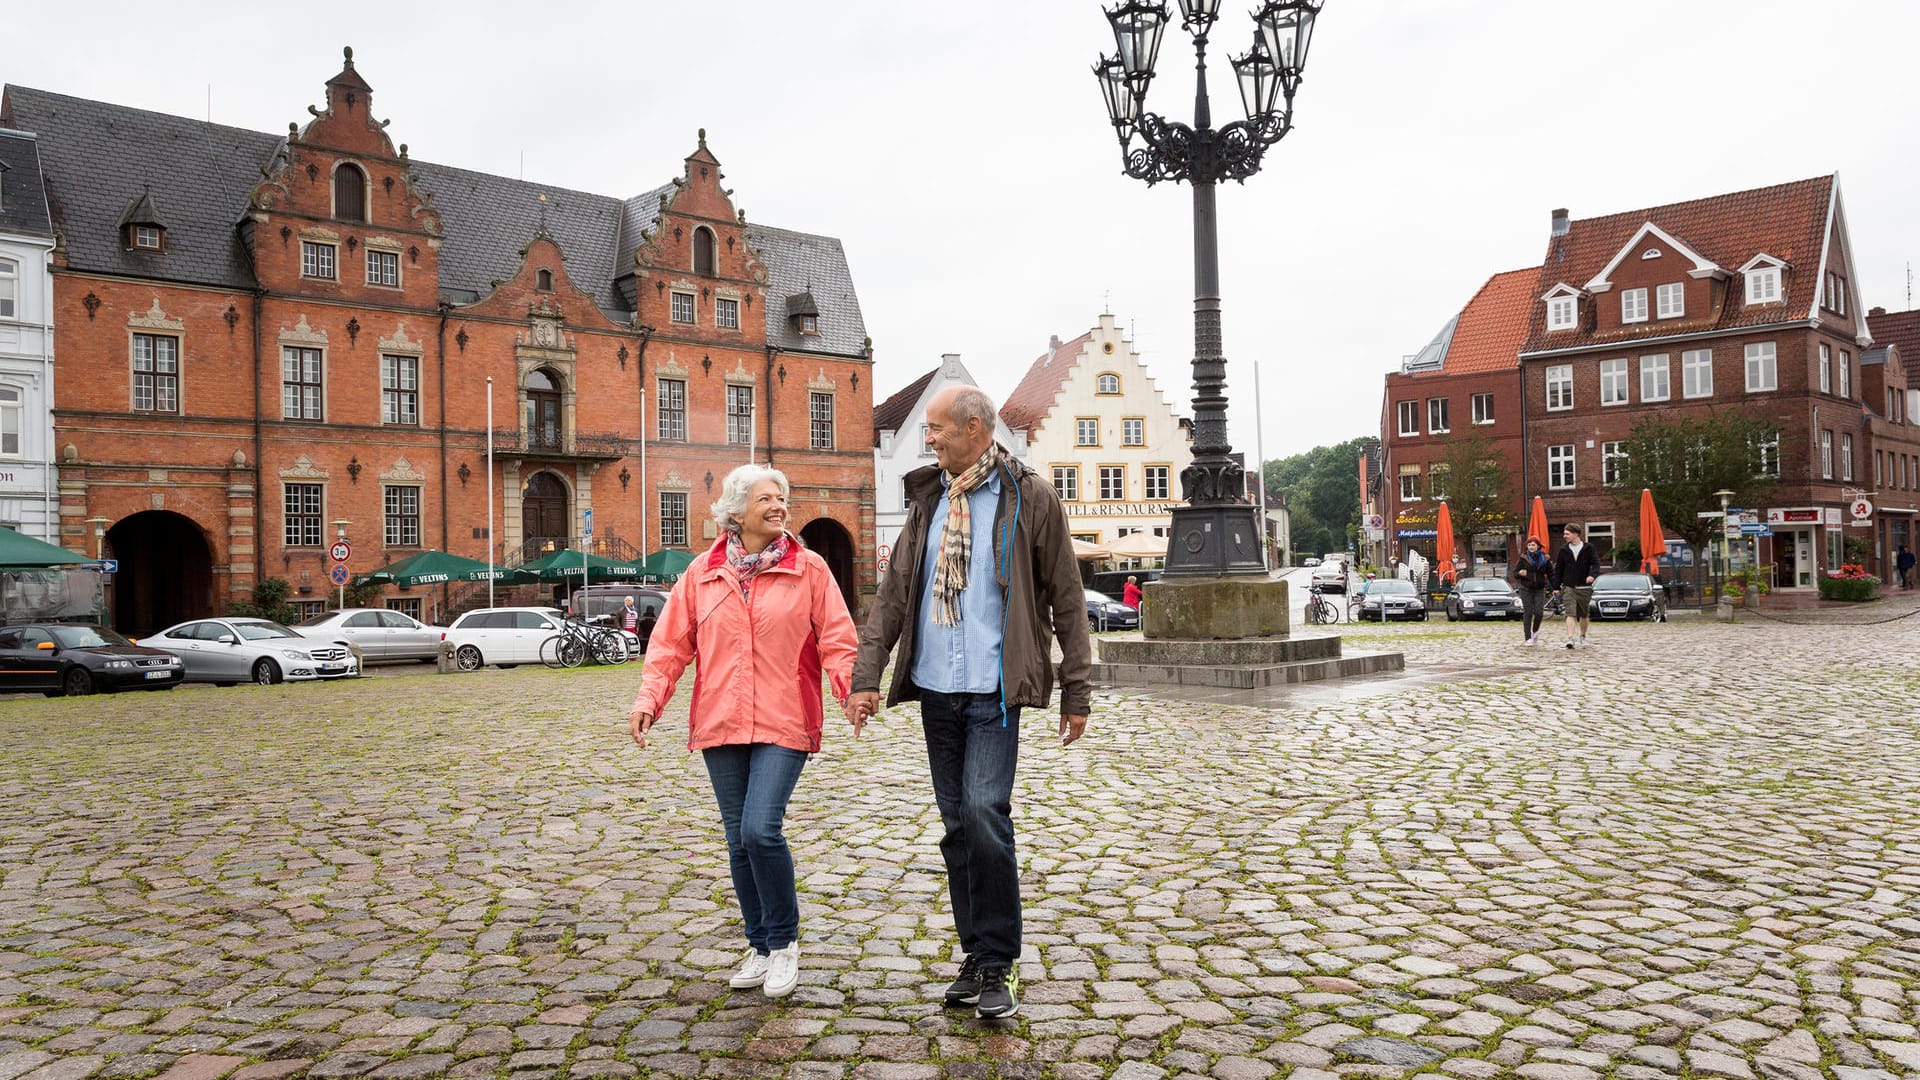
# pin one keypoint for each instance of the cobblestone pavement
(1693, 850)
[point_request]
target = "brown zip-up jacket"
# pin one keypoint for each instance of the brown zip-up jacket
(1040, 591)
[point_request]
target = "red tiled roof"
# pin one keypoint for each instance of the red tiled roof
(898, 409)
(1900, 328)
(1786, 221)
(1492, 326)
(1033, 398)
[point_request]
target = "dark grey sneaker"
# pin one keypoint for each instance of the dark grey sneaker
(999, 993)
(965, 990)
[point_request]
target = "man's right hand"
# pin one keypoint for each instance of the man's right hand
(863, 705)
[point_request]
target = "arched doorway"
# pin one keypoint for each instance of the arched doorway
(543, 410)
(829, 540)
(543, 513)
(166, 572)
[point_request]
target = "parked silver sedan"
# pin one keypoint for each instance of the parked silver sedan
(379, 634)
(231, 649)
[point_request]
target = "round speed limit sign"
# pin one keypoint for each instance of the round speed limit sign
(341, 551)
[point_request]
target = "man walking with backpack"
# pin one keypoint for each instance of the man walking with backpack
(1573, 572)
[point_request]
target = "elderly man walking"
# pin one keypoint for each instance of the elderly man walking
(983, 575)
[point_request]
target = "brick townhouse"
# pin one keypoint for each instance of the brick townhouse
(1466, 382)
(260, 335)
(1891, 394)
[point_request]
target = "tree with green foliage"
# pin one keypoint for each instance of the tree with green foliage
(1478, 486)
(1322, 490)
(1685, 460)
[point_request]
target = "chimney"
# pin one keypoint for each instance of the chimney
(1560, 222)
(1875, 313)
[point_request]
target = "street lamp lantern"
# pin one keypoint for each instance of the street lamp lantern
(1216, 533)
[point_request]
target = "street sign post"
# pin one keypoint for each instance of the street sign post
(341, 551)
(339, 574)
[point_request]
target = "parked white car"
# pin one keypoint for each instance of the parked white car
(230, 650)
(379, 634)
(1330, 576)
(503, 636)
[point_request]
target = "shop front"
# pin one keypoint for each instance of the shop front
(1805, 539)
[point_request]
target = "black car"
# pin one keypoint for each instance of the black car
(1106, 613)
(79, 658)
(1391, 598)
(1482, 598)
(1628, 596)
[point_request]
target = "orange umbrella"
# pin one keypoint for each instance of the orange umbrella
(1537, 524)
(1444, 544)
(1653, 539)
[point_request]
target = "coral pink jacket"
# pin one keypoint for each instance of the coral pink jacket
(757, 662)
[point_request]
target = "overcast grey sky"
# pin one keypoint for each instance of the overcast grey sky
(962, 153)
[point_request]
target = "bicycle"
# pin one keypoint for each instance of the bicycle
(1320, 610)
(578, 640)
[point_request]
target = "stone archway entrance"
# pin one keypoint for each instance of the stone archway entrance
(829, 540)
(166, 572)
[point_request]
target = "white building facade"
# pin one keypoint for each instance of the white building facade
(1096, 424)
(28, 490)
(900, 446)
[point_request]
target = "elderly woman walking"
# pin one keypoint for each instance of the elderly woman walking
(761, 618)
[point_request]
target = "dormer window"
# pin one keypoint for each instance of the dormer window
(809, 324)
(146, 236)
(140, 226)
(803, 313)
(1633, 306)
(1562, 310)
(1762, 275)
(543, 280)
(703, 251)
(1672, 300)
(349, 193)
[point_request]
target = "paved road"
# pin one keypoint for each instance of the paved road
(1693, 850)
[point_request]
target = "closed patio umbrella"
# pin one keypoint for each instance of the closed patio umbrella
(1537, 524)
(1653, 538)
(1443, 544)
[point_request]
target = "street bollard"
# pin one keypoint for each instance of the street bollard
(446, 658)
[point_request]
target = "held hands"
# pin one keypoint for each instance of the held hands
(861, 706)
(638, 722)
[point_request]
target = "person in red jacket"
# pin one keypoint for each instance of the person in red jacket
(762, 619)
(1130, 593)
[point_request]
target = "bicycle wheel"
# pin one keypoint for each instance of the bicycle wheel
(609, 648)
(572, 651)
(550, 651)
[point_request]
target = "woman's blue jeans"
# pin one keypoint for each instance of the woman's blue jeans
(752, 784)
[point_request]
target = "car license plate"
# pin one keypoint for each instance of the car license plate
(331, 667)
(1494, 614)
(158, 674)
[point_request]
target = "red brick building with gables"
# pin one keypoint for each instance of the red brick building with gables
(263, 335)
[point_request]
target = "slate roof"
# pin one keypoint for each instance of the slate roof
(1488, 333)
(1900, 328)
(898, 409)
(1786, 221)
(1033, 398)
(23, 199)
(97, 158)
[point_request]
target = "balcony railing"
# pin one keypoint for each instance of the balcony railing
(552, 442)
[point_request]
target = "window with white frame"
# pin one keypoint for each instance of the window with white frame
(1656, 378)
(1612, 459)
(1560, 313)
(726, 313)
(740, 415)
(383, 268)
(318, 260)
(1633, 306)
(10, 413)
(1762, 368)
(399, 389)
(1157, 482)
(1437, 422)
(673, 519)
(1559, 387)
(1133, 431)
(682, 307)
(1763, 284)
(156, 373)
(1826, 455)
(1086, 431)
(1696, 373)
(146, 237)
(1106, 383)
(1826, 368)
(300, 386)
(1560, 467)
(301, 506)
(402, 515)
(1483, 408)
(405, 605)
(1113, 483)
(1409, 487)
(820, 421)
(1836, 298)
(1613, 381)
(1066, 482)
(1671, 300)
(670, 408)
(1409, 417)
(1846, 374)
(1846, 456)
(9, 288)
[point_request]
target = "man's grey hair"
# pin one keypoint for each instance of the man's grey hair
(735, 488)
(971, 403)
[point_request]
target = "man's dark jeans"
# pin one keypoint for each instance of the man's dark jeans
(971, 755)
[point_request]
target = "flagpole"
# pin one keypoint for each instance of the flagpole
(489, 491)
(1259, 451)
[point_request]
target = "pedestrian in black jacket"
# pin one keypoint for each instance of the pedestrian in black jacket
(1532, 574)
(1573, 572)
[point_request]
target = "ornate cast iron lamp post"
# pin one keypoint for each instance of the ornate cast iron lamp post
(1217, 532)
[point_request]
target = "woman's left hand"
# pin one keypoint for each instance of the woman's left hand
(638, 721)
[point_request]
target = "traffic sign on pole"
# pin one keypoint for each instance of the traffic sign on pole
(341, 551)
(339, 575)
(586, 523)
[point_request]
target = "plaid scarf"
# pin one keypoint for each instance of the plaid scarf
(748, 564)
(956, 541)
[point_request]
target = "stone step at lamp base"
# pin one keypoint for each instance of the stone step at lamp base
(1226, 631)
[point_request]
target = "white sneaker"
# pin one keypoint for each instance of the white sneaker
(783, 971)
(1583, 643)
(753, 971)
